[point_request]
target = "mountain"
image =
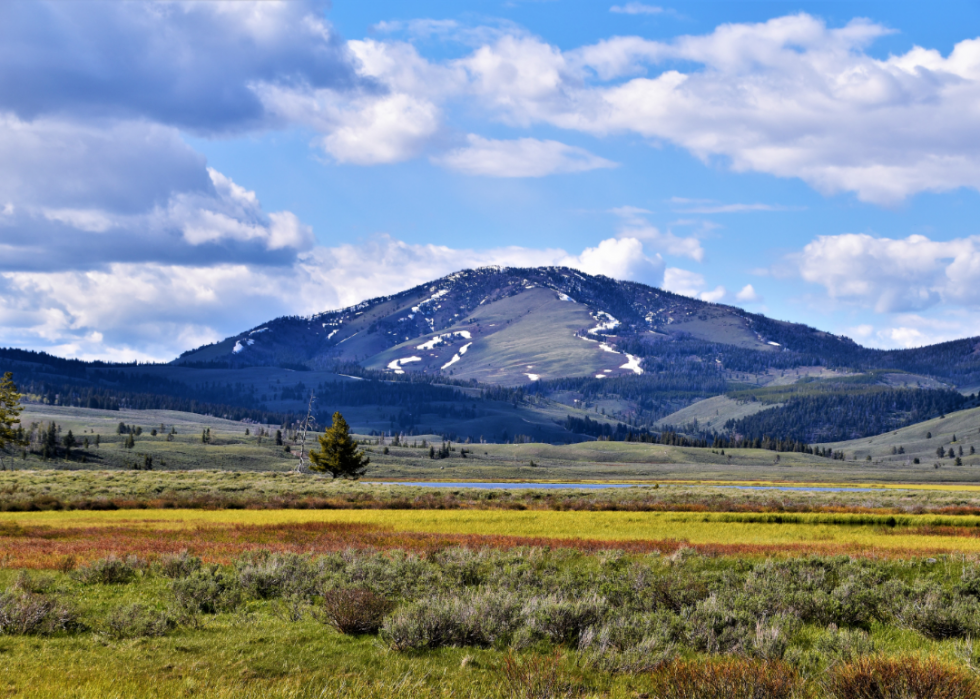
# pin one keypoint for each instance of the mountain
(547, 354)
(514, 326)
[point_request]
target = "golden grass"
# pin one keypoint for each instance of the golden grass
(906, 533)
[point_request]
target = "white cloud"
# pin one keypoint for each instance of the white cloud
(687, 283)
(890, 275)
(748, 294)
(905, 330)
(788, 97)
(524, 157)
(704, 206)
(152, 310)
(636, 226)
(636, 8)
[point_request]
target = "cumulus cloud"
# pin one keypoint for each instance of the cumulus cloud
(748, 294)
(635, 225)
(524, 157)
(687, 283)
(81, 196)
(188, 64)
(891, 275)
(152, 310)
(788, 97)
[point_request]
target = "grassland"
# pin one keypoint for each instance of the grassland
(231, 449)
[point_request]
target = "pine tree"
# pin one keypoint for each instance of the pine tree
(338, 455)
(10, 409)
(68, 442)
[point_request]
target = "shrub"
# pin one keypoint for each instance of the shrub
(632, 643)
(138, 621)
(731, 678)
(938, 615)
(208, 590)
(178, 566)
(267, 576)
(110, 571)
(29, 614)
(844, 644)
(353, 610)
(878, 677)
(560, 620)
(477, 618)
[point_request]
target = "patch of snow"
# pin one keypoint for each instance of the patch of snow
(600, 376)
(529, 366)
(633, 364)
(332, 333)
(565, 297)
(457, 356)
(397, 364)
(438, 339)
(606, 348)
(609, 324)
(262, 330)
(774, 344)
(608, 371)
(250, 341)
(238, 347)
(533, 377)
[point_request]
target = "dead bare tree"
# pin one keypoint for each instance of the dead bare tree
(308, 423)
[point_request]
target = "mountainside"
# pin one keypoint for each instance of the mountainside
(512, 326)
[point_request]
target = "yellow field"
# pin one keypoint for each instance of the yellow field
(844, 531)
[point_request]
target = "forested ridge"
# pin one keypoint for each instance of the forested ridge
(836, 417)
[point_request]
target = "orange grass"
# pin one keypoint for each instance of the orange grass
(40, 546)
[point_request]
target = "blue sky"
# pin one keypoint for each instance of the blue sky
(172, 173)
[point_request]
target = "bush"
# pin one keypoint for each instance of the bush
(878, 677)
(478, 618)
(110, 571)
(732, 678)
(208, 590)
(353, 610)
(268, 576)
(632, 643)
(560, 620)
(939, 616)
(178, 566)
(29, 614)
(137, 621)
(844, 644)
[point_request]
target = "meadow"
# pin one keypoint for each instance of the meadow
(215, 569)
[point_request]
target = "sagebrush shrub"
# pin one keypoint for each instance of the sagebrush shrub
(879, 677)
(353, 610)
(110, 570)
(30, 614)
(138, 621)
(473, 618)
(561, 620)
(730, 678)
(270, 576)
(208, 590)
(178, 565)
(938, 615)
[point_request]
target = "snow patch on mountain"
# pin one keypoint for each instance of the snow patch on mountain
(397, 364)
(633, 364)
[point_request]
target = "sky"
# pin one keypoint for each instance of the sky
(172, 173)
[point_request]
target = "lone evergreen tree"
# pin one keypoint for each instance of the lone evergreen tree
(338, 454)
(10, 408)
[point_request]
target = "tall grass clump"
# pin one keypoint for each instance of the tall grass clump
(879, 677)
(729, 678)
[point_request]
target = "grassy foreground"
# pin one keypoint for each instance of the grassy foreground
(462, 622)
